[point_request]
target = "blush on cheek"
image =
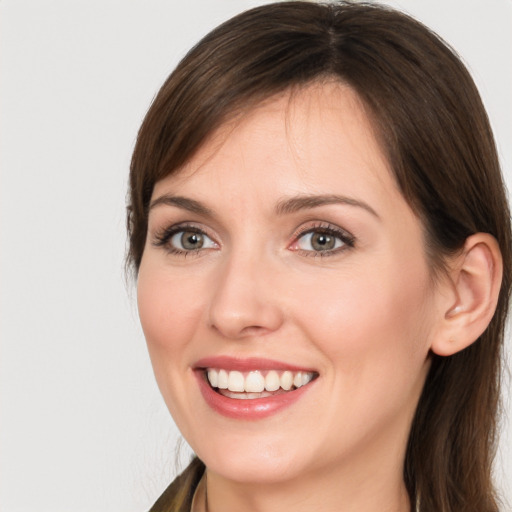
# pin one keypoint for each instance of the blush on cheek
(169, 311)
(352, 321)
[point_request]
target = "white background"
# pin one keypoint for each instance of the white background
(83, 427)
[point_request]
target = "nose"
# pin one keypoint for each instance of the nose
(245, 301)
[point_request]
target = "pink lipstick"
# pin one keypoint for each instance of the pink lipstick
(252, 388)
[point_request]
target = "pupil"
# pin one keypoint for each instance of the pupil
(192, 240)
(322, 242)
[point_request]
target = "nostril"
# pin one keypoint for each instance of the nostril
(244, 332)
(255, 330)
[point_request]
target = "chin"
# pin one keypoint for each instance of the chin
(256, 457)
(248, 468)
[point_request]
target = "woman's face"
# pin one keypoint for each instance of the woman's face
(283, 253)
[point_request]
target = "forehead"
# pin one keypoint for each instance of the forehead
(307, 140)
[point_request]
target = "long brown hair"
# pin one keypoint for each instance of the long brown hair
(430, 122)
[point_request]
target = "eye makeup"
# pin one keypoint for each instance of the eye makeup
(325, 239)
(193, 239)
(311, 240)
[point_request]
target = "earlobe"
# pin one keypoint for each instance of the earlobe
(475, 279)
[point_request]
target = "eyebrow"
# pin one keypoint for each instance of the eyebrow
(283, 207)
(303, 202)
(181, 202)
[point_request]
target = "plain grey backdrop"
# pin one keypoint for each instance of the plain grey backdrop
(82, 426)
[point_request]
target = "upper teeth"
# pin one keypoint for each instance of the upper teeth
(255, 381)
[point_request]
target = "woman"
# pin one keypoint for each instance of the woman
(320, 231)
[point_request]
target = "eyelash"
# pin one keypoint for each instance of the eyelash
(346, 238)
(163, 237)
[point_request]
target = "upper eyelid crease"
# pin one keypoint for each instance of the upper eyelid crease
(345, 236)
(180, 227)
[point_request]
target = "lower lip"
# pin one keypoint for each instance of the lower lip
(251, 409)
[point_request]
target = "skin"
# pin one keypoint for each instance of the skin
(364, 316)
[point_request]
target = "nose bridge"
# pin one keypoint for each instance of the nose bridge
(243, 303)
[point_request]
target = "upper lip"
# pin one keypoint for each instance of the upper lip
(247, 364)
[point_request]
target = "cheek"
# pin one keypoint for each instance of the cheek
(374, 335)
(370, 321)
(169, 310)
(170, 313)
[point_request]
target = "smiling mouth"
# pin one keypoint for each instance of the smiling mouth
(256, 383)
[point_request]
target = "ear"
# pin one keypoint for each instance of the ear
(475, 281)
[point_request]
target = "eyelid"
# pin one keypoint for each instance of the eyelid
(323, 227)
(162, 237)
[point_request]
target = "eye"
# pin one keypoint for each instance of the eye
(322, 240)
(190, 241)
(184, 240)
(319, 241)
